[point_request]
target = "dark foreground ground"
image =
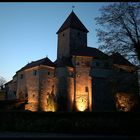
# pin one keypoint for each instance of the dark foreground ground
(82, 125)
(34, 135)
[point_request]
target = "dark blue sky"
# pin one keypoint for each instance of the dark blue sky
(28, 30)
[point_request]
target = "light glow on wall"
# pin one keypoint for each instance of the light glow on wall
(81, 103)
(51, 108)
(32, 106)
(49, 104)
(124, 101)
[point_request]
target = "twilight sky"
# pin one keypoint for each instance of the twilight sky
(28, 30)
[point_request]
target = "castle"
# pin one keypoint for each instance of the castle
(81, 79)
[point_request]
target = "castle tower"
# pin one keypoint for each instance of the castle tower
(73, 91)
(71, 36)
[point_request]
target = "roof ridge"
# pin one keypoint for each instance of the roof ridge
(43, 61)
(124, 61)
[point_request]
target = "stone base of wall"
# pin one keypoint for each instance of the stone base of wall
(32, 106)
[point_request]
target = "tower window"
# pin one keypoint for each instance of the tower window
(86, 89)
(63, 34)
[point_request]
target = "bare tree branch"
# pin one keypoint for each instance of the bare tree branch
(120, 28)
(2, 81)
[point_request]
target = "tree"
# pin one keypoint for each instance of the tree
(2, 81)
(120, 29)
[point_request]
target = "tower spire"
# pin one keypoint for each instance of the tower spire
(73, 8)
(72, 22)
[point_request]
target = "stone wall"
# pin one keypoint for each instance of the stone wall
(65, 88)
(70, 88)
(82, 83)
(21, 86)
(102, 85)
(11, 89)
(103, 96)
(69, 40)
(108, 80)
(39, 85)
(78, 39)
(32, 88)
(63, 48)
(47, 89)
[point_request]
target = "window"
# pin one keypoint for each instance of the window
(21, 76)
(33, 95)
(77, 63)
(97, 64)
(63, 34)
(15, 93)
(78, 75)
(48, 73)
(71, 74)
(87, 63)
(83, 63)
(78, 34)
(34, 72)
(86, 89)
(26, 95)
(54, 73)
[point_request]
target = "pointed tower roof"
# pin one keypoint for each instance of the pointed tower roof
(73, 22)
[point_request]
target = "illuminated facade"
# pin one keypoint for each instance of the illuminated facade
(79, 80)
